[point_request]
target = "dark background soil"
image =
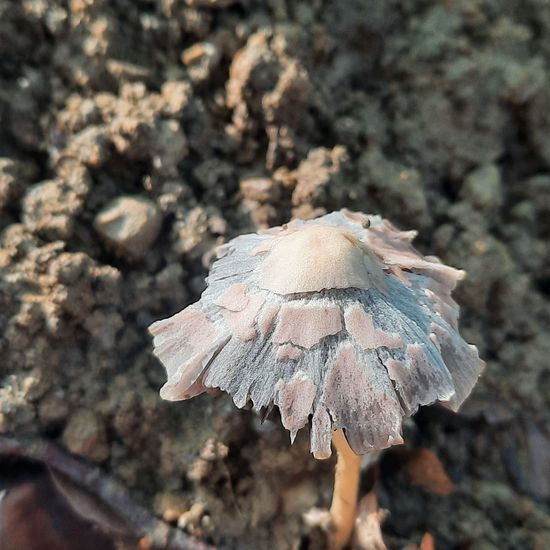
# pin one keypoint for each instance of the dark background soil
(216, 117)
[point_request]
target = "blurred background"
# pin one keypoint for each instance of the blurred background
(136, 135)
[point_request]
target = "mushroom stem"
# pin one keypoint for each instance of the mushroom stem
(343, 509)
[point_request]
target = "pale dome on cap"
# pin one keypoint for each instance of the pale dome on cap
(337, 321)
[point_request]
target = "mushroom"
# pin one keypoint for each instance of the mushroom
(340, 323)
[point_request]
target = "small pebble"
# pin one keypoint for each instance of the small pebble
(130, 225)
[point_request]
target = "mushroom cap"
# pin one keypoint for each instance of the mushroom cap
(338, 321)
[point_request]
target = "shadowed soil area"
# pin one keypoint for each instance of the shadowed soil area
(136, 136)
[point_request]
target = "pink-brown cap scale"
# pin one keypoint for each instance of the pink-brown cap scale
(337, 321)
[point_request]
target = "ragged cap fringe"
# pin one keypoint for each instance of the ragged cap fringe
(337, 321)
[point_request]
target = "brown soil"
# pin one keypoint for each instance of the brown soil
(209, 118)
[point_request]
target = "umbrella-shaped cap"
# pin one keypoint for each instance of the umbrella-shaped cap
(338, 321)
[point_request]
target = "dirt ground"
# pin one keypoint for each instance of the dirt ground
(136, 135)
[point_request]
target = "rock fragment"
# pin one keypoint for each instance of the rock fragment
(130, 224)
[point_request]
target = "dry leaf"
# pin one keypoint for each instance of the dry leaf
(425, 470)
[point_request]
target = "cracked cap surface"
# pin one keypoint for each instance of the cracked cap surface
(337, 321)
